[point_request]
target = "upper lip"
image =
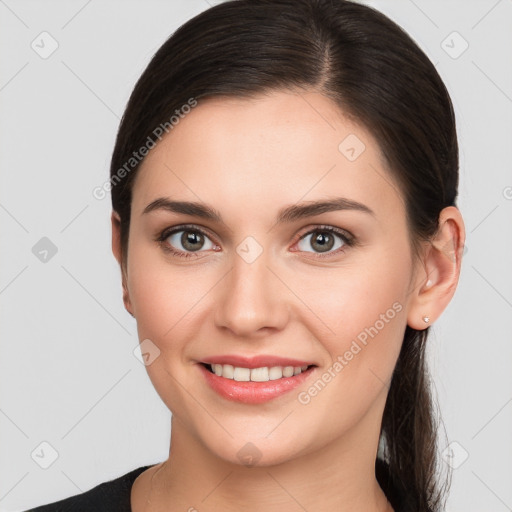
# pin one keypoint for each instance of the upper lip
(260, 361)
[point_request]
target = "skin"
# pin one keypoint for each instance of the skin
(248, 158)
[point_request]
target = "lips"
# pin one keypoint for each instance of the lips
(250, 392)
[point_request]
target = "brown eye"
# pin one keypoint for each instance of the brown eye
(324, 240)
(184, 241)
(191, 240)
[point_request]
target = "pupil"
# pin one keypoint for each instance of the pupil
(325, 241)
(190, 240)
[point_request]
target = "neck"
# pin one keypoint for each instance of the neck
(340, 476)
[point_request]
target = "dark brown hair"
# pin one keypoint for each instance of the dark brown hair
(379, 77)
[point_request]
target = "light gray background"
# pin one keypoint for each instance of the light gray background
(68, 373)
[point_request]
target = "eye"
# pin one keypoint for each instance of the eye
(185, 241)
(326, 240)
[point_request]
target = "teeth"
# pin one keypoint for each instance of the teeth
(259, 374)
(276, 372)
(263, 374)
(228, 371)
(288, 371)
(242, 374)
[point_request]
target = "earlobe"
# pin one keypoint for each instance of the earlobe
(117, 250)
(437, 279)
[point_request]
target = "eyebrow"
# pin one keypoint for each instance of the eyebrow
(287, 214)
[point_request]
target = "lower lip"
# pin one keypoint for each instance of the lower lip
(249, 392)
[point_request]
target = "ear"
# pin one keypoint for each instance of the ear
(117, 250)
(438, 273)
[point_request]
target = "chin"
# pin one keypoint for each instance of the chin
(257, 453)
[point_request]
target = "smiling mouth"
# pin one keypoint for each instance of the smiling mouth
(262, 374)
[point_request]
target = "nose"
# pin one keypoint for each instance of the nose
(252, 300)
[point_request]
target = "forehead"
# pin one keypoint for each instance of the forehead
(268, 150)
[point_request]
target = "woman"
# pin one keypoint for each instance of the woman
(284, 186)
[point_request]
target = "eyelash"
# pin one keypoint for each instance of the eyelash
(348, 239)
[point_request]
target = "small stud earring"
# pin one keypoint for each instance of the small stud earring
(426, 319)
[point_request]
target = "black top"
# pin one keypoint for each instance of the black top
(111, 496)
(114, 495)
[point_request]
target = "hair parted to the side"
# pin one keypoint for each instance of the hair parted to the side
(381, 79)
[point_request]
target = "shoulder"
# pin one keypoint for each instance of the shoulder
(107, 496)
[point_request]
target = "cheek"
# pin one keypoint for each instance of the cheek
(359, 312)
(170, 302)
(159, 296)
(361, 322)
(163, 301)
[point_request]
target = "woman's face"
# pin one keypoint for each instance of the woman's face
(257, 282)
